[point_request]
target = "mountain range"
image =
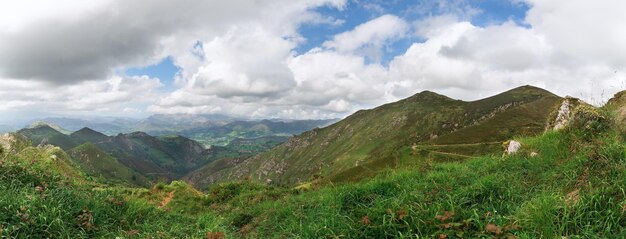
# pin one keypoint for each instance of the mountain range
(140, 158)
(521, 164)
(424, 128)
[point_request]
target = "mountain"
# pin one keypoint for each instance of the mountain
(51, 125)
(101, 124)
(98, 163)
(224, 134)
(208, 129)
(88, 135)
(137, 157)
(44, 134)
(423, 128)
(132, 157)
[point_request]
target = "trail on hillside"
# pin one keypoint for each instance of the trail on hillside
(167, 199)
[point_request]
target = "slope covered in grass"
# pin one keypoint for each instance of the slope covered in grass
(573, 187)
(568, 183)
(43, 195)
(369, 140)
(99, 164)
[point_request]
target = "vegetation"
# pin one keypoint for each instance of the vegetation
(567, 183)
(372, 140)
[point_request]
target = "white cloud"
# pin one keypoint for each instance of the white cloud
(113, 94)
(237, 57)
(369, 37)
(245, 62)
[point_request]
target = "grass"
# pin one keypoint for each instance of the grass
(43, 195)
(573, 186)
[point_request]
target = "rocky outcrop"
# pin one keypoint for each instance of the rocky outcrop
(563, 115)
(512, 147)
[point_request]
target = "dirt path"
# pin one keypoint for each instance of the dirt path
(167, 199)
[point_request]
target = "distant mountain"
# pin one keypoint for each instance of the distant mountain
(108, 126)
(224, 134)
(209, 129)
(51, 125)
(139, 157)
(419, 129)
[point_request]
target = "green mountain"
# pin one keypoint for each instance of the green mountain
(85, 135)
(98, 163)
(224, 134)
(44, 134)
(208, 129)
(416, 130)
(135, 157)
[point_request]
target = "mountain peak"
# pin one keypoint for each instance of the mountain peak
(429, 95)
(44, 125)
(529, 89)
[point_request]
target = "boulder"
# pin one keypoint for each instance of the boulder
(512, 147)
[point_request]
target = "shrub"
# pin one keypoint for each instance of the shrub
(589, 121)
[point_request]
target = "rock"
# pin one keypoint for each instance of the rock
(513, 147)
(563, 116)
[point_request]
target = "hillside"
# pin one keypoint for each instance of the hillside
(565, 183)
(99, 164)
(371, 140)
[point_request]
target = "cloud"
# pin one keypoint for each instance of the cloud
(238, 57)
(369, 37)
(584, 32)
(469, 62)
(245, 62)
(113, 94)
(63, 50)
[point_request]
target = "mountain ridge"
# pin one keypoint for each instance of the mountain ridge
(369, 140)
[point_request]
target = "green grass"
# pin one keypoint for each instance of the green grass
(42, 196)
(575, 187)
(526, 195)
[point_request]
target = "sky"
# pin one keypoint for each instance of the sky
(296, 59)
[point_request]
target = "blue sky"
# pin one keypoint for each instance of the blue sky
(487, 12)
(298, 59)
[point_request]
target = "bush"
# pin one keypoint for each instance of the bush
(589, 121)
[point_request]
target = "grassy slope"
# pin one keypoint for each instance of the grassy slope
(371, 140)
(98, 163)
(42, 194)
(574, 187)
